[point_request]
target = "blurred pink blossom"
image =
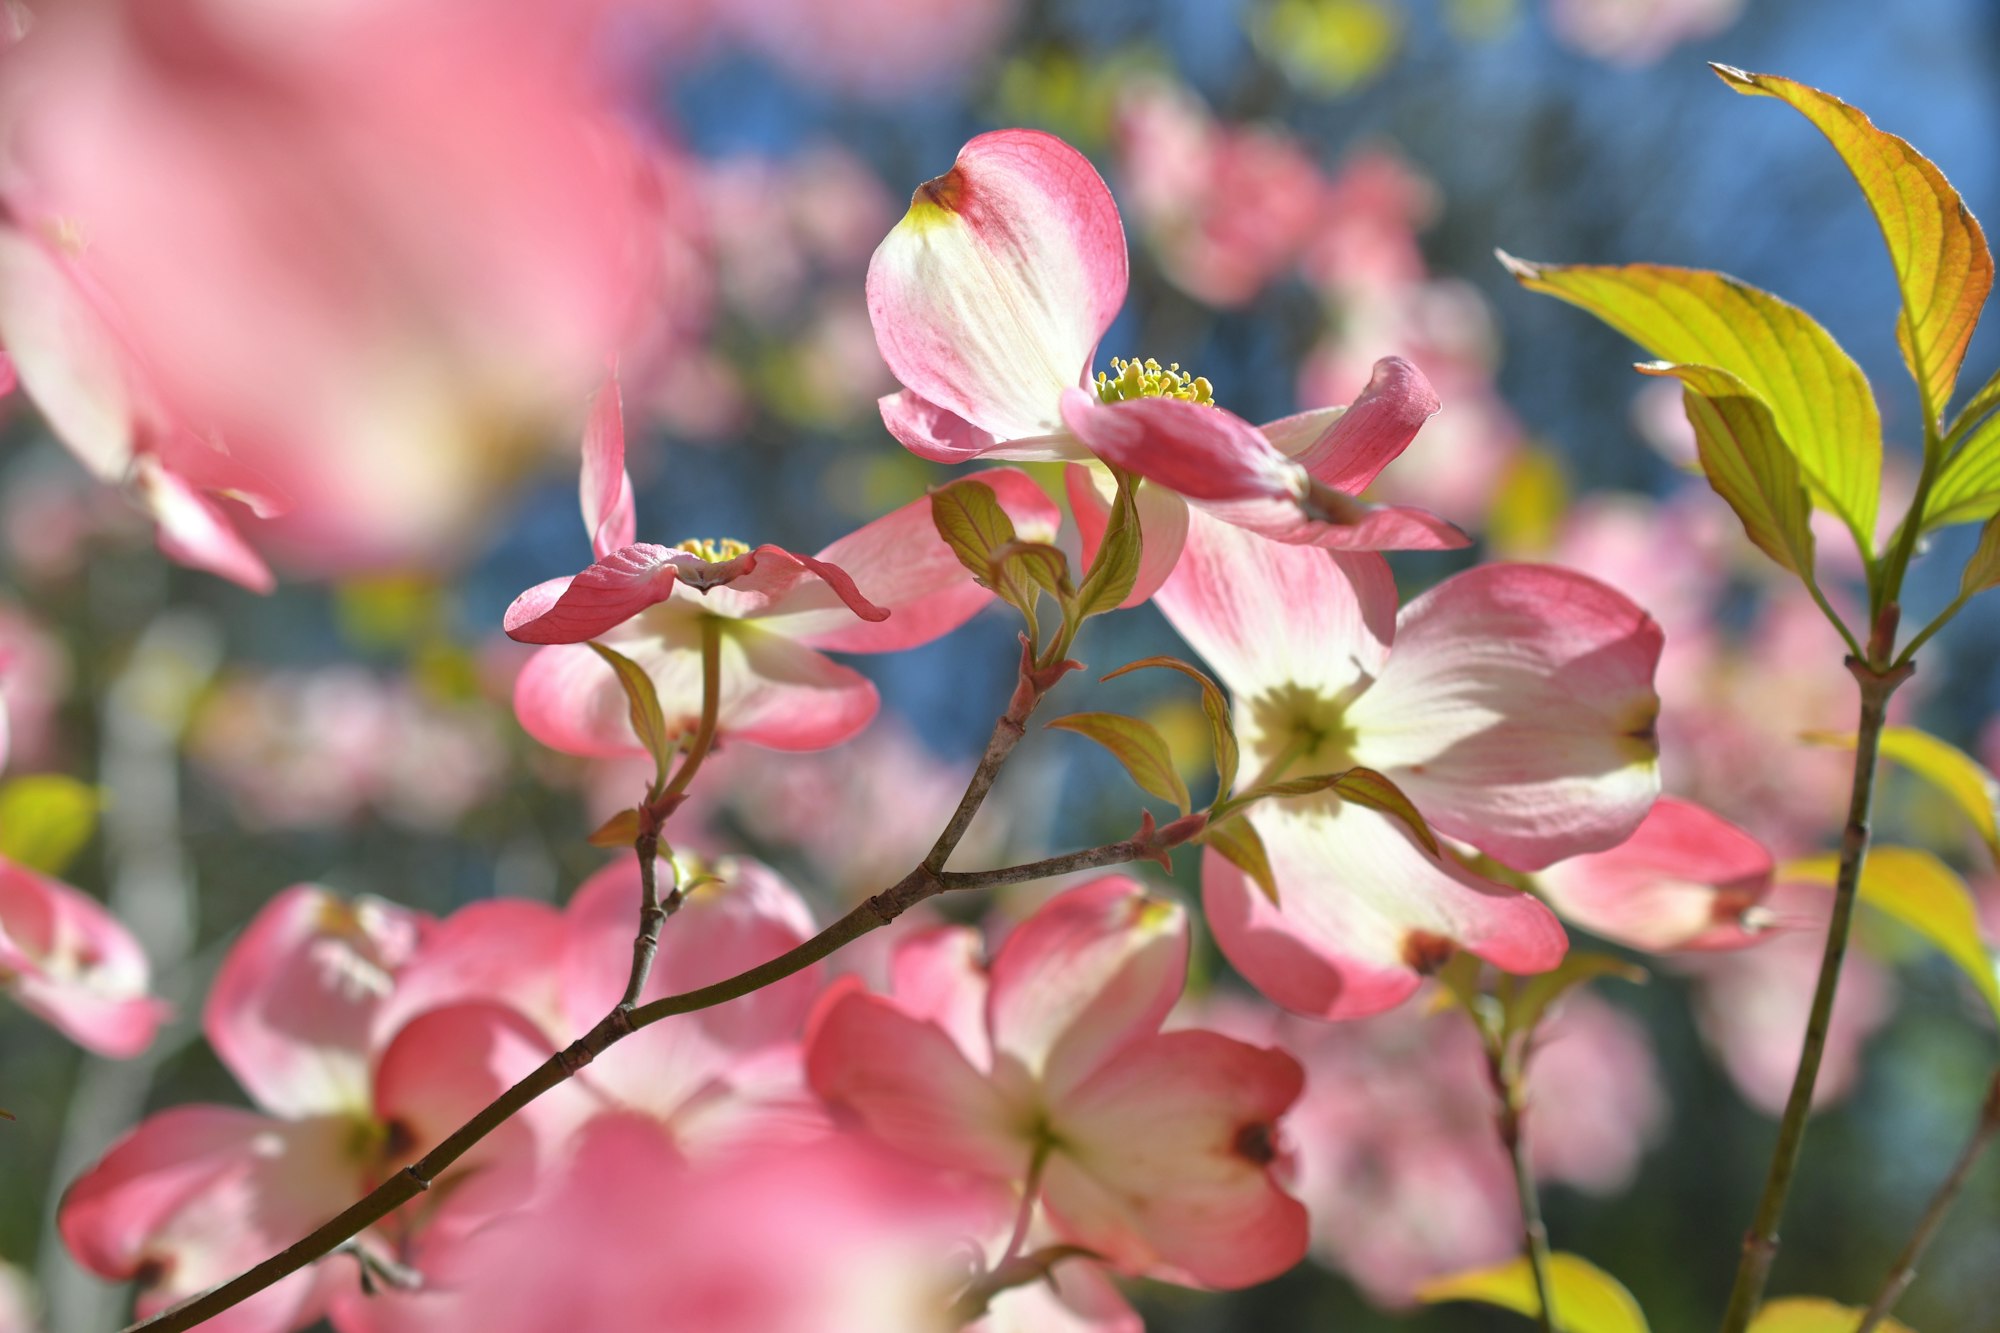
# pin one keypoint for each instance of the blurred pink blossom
(17, 1298)
(1637, 32)
(34, 678)
(66, 959)
(352, 260)
(303, 749)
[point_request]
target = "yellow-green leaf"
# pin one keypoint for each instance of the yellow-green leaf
(1939, 252)
(1214, 703)
(1951, 770)
(1818, 397)
(1363, 786)
(621, 830)
(1924, 894)
(1747, 462)
(1967, 488)
(1115, 570)
(1532, 999)
(1586, 1298)
(1136, 745)
(649, 723)
(1812, 1314)
(1243, 848)
(967, 514)
(1982, 571)
(45, 820)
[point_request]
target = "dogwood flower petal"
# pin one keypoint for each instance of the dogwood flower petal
(1094, 969)
(1169, 1157)
(1684, 880)
(990, 296)
(1363, 912)
(1517, 710)
(293, 1006)
(941, 975)
(1198, 450)
(67, 960)
(1272, 617)
(1163, 525)
(604, 485)
(907, 1083)
(1346, 448)
(505, 949)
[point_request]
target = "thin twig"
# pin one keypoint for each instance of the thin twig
(921, 883)
(1904, 1271)
(1760, 1243)
(1507, 1079)
(1031, 1190)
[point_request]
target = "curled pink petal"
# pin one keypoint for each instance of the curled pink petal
(605, 486)
(1363, 912)
(990, 296)
(1358, 443)
(67, 959)
(929, 431)
(617, 587)
(1686, 879)
(1518, 712)
(1198, 451)
(1334, 521)
(1210, 1105)
(195, 531)
(1094, 969)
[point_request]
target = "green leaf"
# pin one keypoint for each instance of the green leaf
(1116, 568)
(1586, 1298)
(968, 516)
(1214, 703)
(1967, 488)
(1924, 894)
(649, 723)
(1982, 571)
(1817, 396)
(1363, 786)
(1812, 1314)
(1951, 770)
(1939, 252)
(1136, 745)
(45, 820)
(1530, 1002)
(621, 830)
(1747, 462)
(1243, 848)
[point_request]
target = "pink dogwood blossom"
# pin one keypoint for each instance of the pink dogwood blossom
(890, 585)
(1049, 1066)
(197, 1193)
(989, 299)
(1513, 704)
(66, 959)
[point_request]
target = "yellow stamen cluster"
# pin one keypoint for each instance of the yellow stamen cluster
(714, 550)
(1148, 379)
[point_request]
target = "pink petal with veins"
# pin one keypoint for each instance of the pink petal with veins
(605, 487)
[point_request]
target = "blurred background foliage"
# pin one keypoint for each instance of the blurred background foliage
(356, 733)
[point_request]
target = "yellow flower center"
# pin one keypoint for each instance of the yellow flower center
(714, 550)
(1147, 379)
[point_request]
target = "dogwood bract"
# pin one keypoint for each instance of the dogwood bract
(1513, 704)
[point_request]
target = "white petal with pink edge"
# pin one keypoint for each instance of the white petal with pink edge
(1518, 712)
(990, 296)
(75, 965)
(1363, 912)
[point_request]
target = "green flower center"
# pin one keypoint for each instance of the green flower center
(1148, 379)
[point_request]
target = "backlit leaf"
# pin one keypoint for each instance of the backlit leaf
(649, 723)
(45, 819)
(1214, 703)
(1136, 745)
(1747, 463)
(1116, 568)
(1942, 265)
(1982, 571)
(1967, 488)
(1812, 1314)
(968, 516)
(1586, 1298)
(1818, 397)
(1243, 848)
(1924, 894)
(1951, 770)
(1532, 1000)
(1363, 786)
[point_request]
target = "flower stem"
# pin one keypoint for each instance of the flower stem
(1508, 1078)
(1760, 1243)
(1904, 1271)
